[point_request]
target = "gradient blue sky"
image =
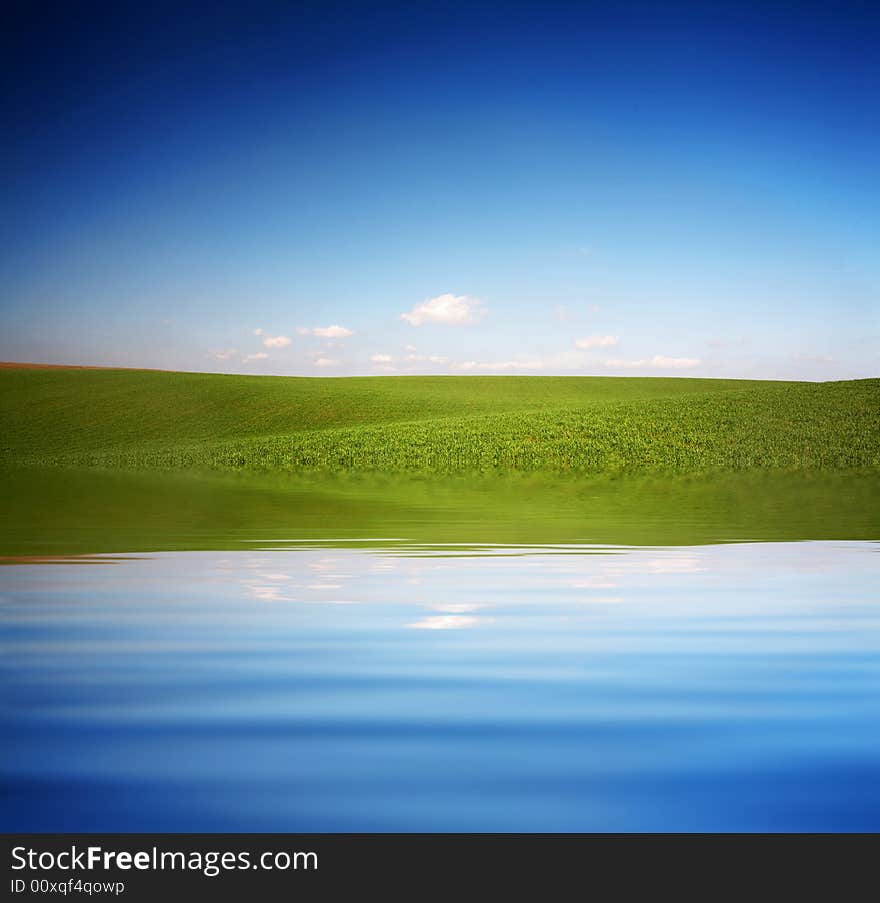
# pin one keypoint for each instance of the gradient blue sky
(599, 188)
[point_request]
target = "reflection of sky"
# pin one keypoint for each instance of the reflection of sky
(347, 689)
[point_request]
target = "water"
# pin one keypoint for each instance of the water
(380, 686)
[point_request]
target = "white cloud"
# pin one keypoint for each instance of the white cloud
(573, 360)
(448, 310)
(272, 341)
(326, 332)
(276, 341)
(511, 365)
(674, 363)
(223, 354)
(432, 358)
(381, 358)
(597, 341)
(499, 365)
(332, 332)
(658, 362)
(226, 354)
(326, 362)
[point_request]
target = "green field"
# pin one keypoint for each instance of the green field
(100, 460)
(586, 425)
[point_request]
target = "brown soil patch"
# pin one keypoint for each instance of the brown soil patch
(15, 365)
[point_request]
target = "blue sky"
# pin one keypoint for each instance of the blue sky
(332, 189)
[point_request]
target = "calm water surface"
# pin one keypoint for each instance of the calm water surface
(398, 688)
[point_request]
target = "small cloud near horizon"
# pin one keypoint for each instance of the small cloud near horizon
(430, 358)
(223, 354)
(326, 332)
(659, 362)
(500, 365)
(272, 341)
(447, 310)
(227, 354)
(332, 332)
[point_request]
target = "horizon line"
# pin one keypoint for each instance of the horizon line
(34, 365)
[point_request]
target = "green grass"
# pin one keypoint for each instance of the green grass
(435, 425)
(115, 460)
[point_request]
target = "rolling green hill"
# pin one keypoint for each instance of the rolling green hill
(128, 419)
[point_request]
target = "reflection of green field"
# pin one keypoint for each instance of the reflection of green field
(57, 511)
(127, 460)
